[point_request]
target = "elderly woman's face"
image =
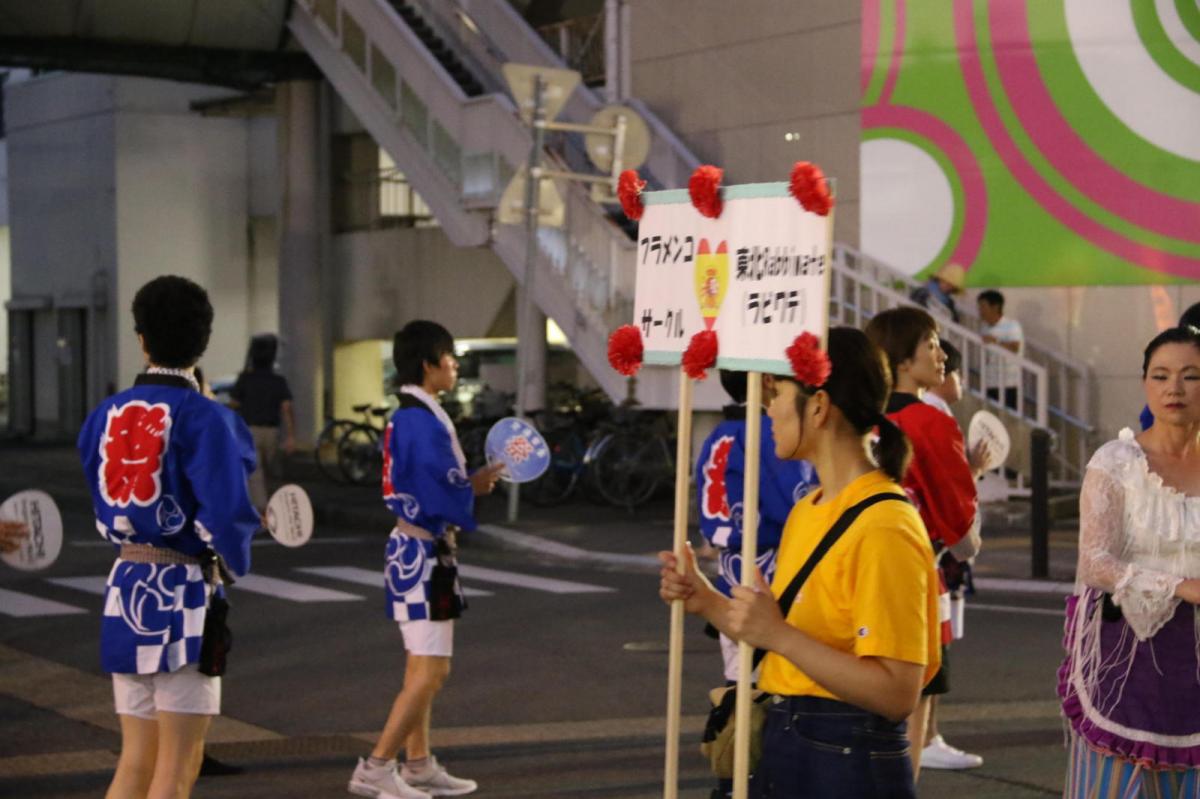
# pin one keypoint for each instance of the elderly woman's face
(1172, 383)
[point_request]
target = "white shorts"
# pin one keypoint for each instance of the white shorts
(431, 638)
(729, 653)
(185, 690)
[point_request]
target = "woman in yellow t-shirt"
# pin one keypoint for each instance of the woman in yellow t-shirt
(846, 667)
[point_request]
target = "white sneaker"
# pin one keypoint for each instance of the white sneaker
(940, 755)
(437, 781)
(382, 782)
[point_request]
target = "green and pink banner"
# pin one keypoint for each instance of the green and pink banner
(1035, 142)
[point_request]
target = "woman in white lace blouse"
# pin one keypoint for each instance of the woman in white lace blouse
(1130, 683)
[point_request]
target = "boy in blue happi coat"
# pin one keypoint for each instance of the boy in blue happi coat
(427, 488)
(167, 468)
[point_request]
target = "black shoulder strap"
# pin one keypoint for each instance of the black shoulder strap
(839, 527)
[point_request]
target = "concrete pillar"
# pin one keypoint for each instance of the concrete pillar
(301, 246)
(531, 352)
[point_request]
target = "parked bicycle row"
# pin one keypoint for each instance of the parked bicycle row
(619, 454)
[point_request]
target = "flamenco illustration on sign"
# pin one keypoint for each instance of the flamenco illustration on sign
(712, 278)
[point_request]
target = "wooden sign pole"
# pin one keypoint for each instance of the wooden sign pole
(741, 741)
(683, 454)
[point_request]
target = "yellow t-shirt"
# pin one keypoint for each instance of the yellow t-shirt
(875, 593)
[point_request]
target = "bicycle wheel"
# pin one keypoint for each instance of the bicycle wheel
(626, 469)
(558, 481)
(359, 456)
(326, 450)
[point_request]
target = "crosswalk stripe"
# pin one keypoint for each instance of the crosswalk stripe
(13, 603)
(89, 585)
(371, 577)
(286, 589)
(529, 581)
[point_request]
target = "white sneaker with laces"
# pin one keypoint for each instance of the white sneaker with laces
(437, 781)
(940, 755)
(382, 782)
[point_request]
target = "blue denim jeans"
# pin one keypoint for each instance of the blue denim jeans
(816, 748)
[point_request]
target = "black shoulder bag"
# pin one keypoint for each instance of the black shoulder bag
(717, 743)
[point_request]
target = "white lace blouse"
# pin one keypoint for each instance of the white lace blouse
(1138, 538)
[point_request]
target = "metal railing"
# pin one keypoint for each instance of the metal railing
(1052, 392)
(579, 42)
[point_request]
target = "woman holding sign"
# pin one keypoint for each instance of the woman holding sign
(425, 484)
(167, 468)
(1129, 682)
(845, 662)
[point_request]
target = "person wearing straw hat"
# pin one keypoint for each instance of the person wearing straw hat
(845, 666)
(937, 295)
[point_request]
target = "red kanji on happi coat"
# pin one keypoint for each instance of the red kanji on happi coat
(135, 436)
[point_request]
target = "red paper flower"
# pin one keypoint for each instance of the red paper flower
(625, 350)
(809, 362)
(810, 188)
(704, 187)
(700, 355)
(629, 192)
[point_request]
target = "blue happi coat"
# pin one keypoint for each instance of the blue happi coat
(720, 476)
(425, 483)
(167, 467)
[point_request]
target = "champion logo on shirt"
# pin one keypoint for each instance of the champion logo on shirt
(135, 436)
(863, 632)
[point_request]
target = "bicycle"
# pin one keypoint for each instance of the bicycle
(326, 450)
(630, 462)
(567, 428)
(359, 450)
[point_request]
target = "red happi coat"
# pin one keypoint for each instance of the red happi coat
(939, 479)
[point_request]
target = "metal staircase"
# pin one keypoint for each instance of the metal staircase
(428, 100)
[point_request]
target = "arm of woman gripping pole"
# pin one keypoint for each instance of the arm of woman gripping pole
(882, 685)
(698, 595)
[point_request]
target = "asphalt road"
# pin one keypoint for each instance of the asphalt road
(559, 678)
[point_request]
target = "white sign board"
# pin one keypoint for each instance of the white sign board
(758, 276)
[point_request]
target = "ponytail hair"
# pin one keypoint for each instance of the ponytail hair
(859, 384)
(893, 452)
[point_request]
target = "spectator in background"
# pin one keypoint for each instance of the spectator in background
(949, 393)
(264, 400)
(1000, 372)
(937, 295)
(1190, 318)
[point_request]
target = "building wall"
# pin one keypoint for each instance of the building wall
(1106, 328)
(390, 277)
(113, 181)
(734, 80)
(182, 208)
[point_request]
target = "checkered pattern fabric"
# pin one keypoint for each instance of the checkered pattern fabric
(153, 617)
(407, 571)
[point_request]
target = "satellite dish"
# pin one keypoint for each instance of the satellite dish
(637, 138)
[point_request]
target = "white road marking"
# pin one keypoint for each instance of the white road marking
(13, 603)
(529, 581)
(89, 585)
(1016, 609)
(1023, 586)
(286, 589)
(371, 577)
